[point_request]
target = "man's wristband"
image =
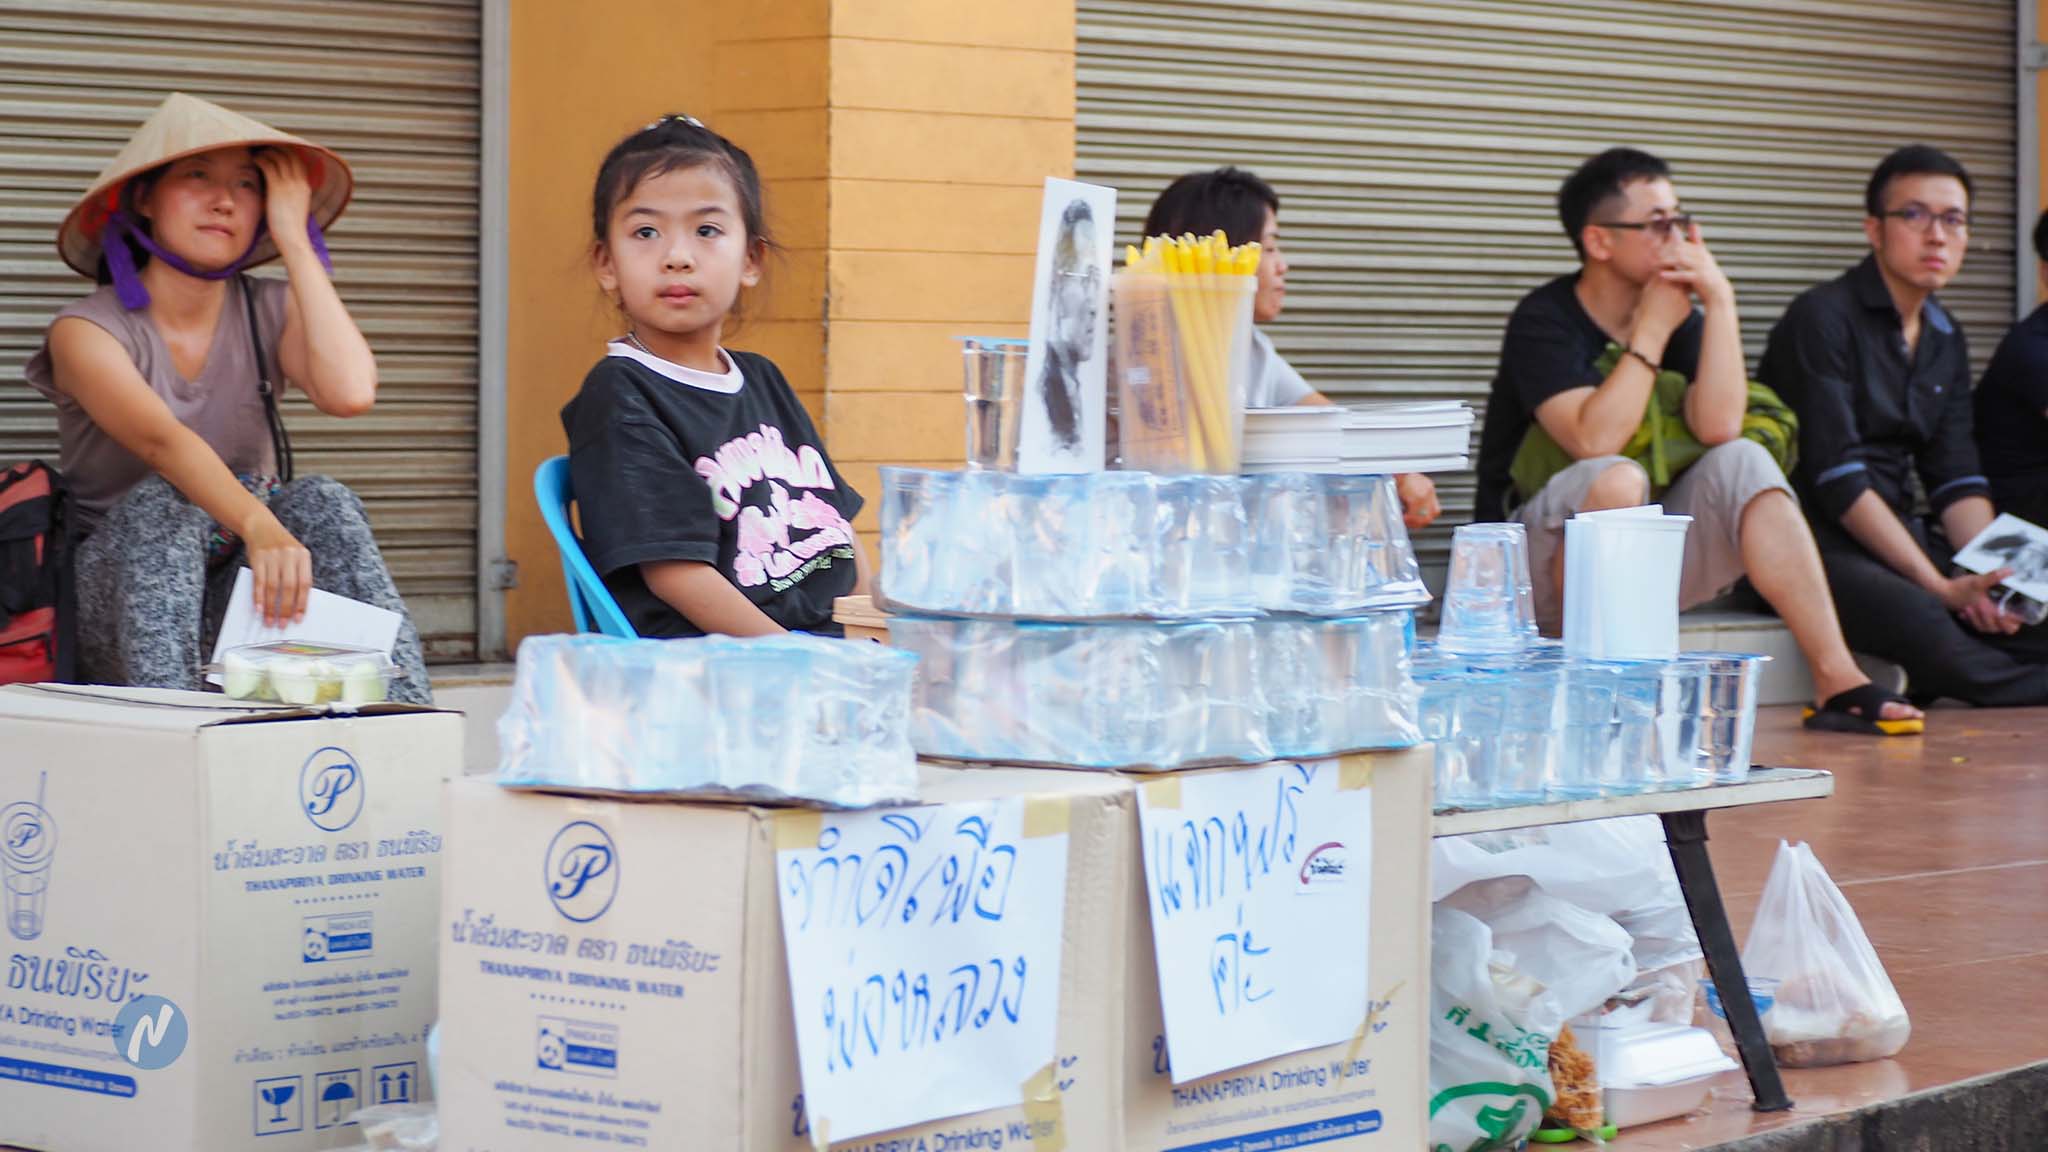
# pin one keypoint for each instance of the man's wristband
(1652, 365)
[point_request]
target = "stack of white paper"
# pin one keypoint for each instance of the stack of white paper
(1426, 436)
(1621, 574)
(1298, 439)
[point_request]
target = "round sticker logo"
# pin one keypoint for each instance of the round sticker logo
(150, 1033)
(331, 789)
(582, 871)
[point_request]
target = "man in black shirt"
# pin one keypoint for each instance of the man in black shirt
(1642, 263)
(1880, 376)
(2012, 409)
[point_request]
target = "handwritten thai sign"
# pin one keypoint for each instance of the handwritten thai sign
(924, 962)
(1260, 885)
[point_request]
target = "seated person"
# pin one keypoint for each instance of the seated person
(1610, 375)
(707, 501)
(1880, 377)
(178, 467)
(2012, 409)
(1246, 209)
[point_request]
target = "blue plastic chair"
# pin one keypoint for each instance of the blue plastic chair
(589, 599)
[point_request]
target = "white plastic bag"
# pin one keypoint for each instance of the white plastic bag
(1835, 1005)
(1511, 964)
(1619, 868)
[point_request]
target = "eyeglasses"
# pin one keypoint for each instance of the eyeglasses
(1662, 228)
(1921, 218)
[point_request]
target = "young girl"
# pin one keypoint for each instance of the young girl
(163, 380)
(1246, 208)
(706, 498)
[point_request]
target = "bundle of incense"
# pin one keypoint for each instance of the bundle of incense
(1206, 281)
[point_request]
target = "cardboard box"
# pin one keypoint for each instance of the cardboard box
(1368, 1094)
(703, 1054)
(861, 619)
(219, 919)
(656, 1013)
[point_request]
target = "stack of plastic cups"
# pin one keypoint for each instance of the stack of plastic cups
(1501, 742)
(1728, 708)
(1488, 604)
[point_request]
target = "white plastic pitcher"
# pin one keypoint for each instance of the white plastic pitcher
(1622, 569)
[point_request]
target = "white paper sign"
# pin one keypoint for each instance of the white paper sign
(329, 619)
(924, 962)
(1065, 413)
(1260, 883)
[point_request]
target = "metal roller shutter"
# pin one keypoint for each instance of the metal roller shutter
(1417, 149)
(394, 87)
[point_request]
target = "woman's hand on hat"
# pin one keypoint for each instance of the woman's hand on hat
(287, 195)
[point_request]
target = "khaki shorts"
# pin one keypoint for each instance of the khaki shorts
(1714, 492)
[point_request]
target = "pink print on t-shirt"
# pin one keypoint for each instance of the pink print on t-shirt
(767, 550)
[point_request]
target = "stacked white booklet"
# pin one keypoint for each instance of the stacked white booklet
(1370, 439)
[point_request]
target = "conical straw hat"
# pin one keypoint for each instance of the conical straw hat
(183, 126)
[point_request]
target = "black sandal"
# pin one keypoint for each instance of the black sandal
(1858, 709)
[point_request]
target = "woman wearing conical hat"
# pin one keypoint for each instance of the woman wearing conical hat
(180, 471)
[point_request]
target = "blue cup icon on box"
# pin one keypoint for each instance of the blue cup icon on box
(28, 843)
(581, 872)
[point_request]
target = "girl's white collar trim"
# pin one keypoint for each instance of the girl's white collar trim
(729, 382)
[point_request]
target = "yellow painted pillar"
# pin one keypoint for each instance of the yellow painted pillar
(902, 145)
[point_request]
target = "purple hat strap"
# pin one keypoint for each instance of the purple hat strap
(122, 227)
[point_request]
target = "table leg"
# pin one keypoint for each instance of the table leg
(1685, 833)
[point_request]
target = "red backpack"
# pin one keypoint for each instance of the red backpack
(35, 577)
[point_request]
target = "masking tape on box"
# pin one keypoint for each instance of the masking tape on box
(1354, 772)
(797, 831)
(1372, 1015)
(1043, 1110)
(1045, 816)
(1163, 792)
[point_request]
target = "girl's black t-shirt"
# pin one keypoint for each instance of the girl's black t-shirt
(671, 464)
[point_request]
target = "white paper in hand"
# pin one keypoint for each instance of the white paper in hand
(329, 619)
(2010, 542)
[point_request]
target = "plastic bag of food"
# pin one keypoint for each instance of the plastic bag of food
(1834, 1003)
(1510, 964)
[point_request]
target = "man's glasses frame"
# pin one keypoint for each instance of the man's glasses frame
(1662, 228)
(1920, 218)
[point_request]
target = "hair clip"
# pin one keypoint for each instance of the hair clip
(692, 121)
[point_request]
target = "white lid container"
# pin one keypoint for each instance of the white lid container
(1656, 1071)
(303, 672)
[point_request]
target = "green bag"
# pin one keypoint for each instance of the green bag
(1662, 444)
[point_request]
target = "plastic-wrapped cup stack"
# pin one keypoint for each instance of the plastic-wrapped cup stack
(1128, 619)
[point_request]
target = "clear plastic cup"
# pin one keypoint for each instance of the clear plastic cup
(1530, 733)
(1728, 713)
(994, 389)
(1468, 708)
(1586, 747)
(1488, 604)
(1635, 762)
(1681, 723)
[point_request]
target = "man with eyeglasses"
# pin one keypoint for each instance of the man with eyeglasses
(1880, 376)
(1613, 387)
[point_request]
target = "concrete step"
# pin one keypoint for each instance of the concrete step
(480, 692)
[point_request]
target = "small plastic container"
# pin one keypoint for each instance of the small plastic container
(305, 673)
